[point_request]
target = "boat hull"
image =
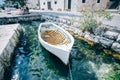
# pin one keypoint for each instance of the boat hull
(61, 51)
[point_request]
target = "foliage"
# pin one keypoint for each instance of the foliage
(112, 75)
(92, 20)
(92, 17)
(18, 2)
(104, 14)
(89, 22)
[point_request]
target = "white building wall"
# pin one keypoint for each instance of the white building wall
(58, 6)
(76, 5)
(43, 4)
(33, 4)
(88, 5)
(66, 4)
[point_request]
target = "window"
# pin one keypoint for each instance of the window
(55, 2)
(44, 3)
(83, 1)
(98, 1)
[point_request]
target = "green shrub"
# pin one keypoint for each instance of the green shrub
(90, 21)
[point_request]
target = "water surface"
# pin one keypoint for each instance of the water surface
(33, 62)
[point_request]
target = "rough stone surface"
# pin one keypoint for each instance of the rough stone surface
(89, 37)
(96, 39)
(16, 18)
(99, 31)
(106, 42)
(118, 39)
(1, 72)
(116, 47)
(111, 35)
(8, 39)
(106, 35)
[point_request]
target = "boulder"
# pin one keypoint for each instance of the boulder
(106, 42)
(96, 39)
(116, 47)
(111, 35)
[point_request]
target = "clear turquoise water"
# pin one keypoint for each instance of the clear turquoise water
(33, 62)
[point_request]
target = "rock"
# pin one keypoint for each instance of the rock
(118, 39)
(80, 33)
(106, 42)
(63, 21)
(76, 24)
(111, 35)
(68, 22)
(89, 37)
(116, 47)
(99, 31)
(114, 28)
(1, 72)
(96, 39)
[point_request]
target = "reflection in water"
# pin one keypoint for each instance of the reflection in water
(33, 62)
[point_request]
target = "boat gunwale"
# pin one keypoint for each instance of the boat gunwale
(70, 36)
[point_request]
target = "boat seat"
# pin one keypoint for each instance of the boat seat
(54, 37)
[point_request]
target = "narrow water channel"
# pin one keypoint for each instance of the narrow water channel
(33, 62)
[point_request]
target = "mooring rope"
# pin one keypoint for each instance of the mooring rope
(71, 78)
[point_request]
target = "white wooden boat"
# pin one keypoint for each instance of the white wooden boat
(56, 40)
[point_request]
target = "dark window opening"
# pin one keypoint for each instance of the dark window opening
(83, 1)
(55, 2)
(44, 3)
(98, 1)
(112, 0)
(49, 5)
(69, 4)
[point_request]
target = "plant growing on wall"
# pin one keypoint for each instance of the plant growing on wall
(92, 18)
(89, 23)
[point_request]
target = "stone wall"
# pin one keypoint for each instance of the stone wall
(8, 39)
(17, 18)
(106, 35)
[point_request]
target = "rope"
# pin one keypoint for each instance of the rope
(71, 78)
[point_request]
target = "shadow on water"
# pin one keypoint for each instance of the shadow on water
(33, 62)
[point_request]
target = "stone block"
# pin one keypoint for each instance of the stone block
(111, 35)
(96, 39)
(88, 36)
(1, 72)
(8, 39)
(106, 42)
(118, 39)
(116, 47)
(76, 24)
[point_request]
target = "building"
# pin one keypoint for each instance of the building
(79, 5)
(68, 5)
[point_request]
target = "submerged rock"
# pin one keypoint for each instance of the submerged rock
(116, 47)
